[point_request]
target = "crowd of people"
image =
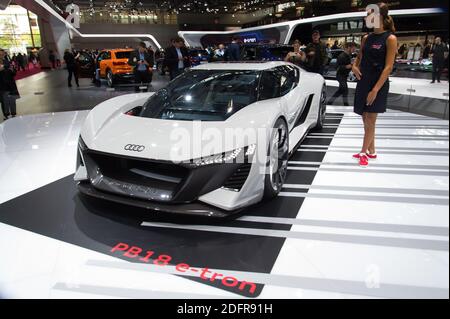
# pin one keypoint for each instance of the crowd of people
(175, 59)
(312, 57)
(21, 61)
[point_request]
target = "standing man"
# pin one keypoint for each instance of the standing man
(20, 62)
(52, 58)
(439, 53)
(8, 87)
(316, 54)
(71, 66)
(177, 58)
(344, 66)
(234, 50)
(142, 61)
(219, 53)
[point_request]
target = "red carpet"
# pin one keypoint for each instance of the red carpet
(30, 71)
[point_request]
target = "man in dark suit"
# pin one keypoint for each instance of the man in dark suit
(234, 50)
(439, 52)
(71, 64)
(176, 58)
(316, 54)
(143, 62)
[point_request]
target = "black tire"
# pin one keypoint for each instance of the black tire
(277, 166)
(322, 109)
(110, 78)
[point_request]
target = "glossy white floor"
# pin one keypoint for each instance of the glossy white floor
(359, 214)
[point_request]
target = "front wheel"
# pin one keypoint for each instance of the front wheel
(110, 78)
(277, 160)
(322, 109)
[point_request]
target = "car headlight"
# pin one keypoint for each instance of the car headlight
(239, 155)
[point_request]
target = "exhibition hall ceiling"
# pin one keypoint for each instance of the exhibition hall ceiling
(187, 6)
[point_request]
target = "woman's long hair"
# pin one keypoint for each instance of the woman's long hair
(388, 22)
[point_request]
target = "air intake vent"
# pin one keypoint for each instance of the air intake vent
(237, 180)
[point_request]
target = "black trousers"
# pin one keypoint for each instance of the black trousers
(437, 71)
(8, 104)
(4, 111)
(341, 91)
(142, 77)
(72, 72)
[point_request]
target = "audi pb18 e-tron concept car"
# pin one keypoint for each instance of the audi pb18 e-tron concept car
(215, 140)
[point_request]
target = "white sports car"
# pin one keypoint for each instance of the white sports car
(215, 140)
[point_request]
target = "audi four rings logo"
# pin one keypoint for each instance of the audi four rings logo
(134, 148)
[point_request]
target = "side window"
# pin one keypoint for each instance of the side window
(269, 86)
(289, 76)
(101, 56)
(108, 55)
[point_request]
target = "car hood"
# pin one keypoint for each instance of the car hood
(108, 129)
(158, 139)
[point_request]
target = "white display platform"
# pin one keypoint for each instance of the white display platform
(379, 232)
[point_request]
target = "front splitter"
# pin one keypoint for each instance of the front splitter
(194, 209)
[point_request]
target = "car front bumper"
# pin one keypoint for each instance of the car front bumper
(196, 208)
(162, 186)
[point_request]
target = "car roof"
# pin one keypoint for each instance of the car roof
(117, 50)
(252, 65)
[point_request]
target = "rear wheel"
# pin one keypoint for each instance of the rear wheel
(322, 109)
(110, 78)
(277, 159)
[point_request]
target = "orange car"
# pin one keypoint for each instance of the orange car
(113, 65)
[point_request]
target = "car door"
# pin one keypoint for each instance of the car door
(282, 83)
(86, 64)
(292, 102)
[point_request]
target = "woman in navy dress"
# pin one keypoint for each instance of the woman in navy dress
(372, 68)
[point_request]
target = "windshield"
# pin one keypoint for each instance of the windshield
(204, 95)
